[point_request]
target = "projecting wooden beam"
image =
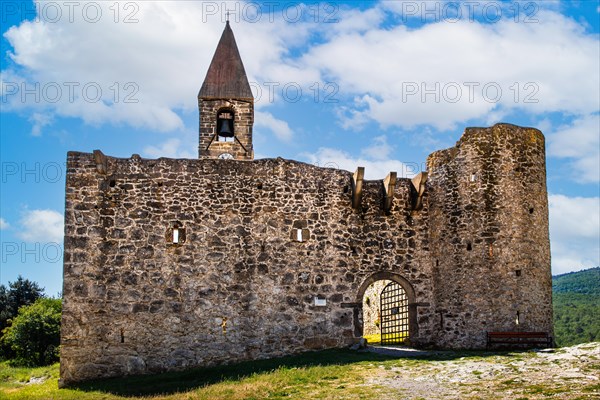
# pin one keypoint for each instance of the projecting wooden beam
(389, 184)
(101, 162)
(357, 183)
(418, 183)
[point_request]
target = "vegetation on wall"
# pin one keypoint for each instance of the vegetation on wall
(576, 301)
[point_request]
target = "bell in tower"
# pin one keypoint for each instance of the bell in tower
(226, 105)
(225, 124)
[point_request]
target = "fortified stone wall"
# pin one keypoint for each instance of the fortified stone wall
(488, 210)
(261, 245)
(273, 257)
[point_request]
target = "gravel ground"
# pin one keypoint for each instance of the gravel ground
(564, 373)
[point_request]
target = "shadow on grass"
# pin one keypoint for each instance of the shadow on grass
(183, 381)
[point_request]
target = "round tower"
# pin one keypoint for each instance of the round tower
(489, 232)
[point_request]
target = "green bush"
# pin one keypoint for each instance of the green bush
(34, 335)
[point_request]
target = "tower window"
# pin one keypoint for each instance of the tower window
(175, 235)
(225, 125)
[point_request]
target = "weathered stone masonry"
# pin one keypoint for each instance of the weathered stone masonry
(241, 286)
(174, 263)
(488, 228)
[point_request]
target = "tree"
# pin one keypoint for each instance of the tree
(34, 335)
(20, 293)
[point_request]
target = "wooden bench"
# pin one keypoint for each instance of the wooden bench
(519, 338)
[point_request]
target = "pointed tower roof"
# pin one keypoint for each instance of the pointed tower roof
(226, 77)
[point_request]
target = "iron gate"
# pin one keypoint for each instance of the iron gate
(394, 314)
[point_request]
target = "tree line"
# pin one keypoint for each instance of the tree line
(576, 303)
(29, 324)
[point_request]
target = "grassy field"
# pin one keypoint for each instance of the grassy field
(569, 373)
(332, 374)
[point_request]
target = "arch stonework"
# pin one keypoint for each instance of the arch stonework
(413, 327)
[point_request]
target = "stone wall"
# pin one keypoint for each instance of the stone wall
(489, 235)
(273, 259)
(239, 285)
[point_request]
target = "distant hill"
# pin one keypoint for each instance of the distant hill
(584, 282)
(576, 301)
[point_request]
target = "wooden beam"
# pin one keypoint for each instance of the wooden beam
(389, 185)
(418, 183)
(357, 183)
(101, 162)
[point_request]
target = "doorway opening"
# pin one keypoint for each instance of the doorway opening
(388, 312)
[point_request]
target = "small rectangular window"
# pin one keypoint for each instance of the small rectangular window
(175, 235)
(320, 302)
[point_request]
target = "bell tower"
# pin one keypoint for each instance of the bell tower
(226, 105)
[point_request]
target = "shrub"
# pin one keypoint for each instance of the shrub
(34, 335)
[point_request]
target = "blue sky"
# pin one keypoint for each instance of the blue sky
(343, 84)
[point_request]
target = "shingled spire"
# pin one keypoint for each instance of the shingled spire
(226, 76)
(226, 105)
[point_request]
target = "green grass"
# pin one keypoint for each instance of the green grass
(329, 374)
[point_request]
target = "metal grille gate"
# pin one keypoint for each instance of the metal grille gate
(394, 314)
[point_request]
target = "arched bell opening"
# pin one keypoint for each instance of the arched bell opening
(225, 125)
(388, 310)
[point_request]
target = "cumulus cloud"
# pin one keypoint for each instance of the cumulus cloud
(574, 232)
(380, 149)
(279, 128)
(579, 142)
(42, 226)
(139, 73)
(486, 68)
(374, 168)
(393, 70)
(171, 148)
(39, 121)
(4, 224)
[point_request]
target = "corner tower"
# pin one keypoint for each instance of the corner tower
(226, 105)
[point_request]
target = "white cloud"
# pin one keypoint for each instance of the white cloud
(574, 232)
(39, 121)
(145, 71)
(165, 55)
(42, 226)
(374, 169)
(171, 148)
(444, 73)
(4, 224)
(580, 143)
(279, 128)
(380, 149)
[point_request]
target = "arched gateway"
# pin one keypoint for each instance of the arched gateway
(398, 308)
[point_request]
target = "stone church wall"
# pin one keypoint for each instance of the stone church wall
(273, 259)
(239, 285)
